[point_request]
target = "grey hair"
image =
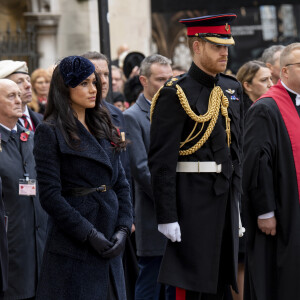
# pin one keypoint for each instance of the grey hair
(145, 68)
(268, 54)
(94, 55)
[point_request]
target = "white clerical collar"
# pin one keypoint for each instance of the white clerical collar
(297, 97)
(15, 128)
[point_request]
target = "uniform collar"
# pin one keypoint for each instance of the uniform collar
(203, 78)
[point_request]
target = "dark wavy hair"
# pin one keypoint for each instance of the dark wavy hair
(60, 112)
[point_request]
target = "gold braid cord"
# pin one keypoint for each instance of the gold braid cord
(217, 101)
(153, 102)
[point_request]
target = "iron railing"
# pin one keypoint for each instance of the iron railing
(19, 45)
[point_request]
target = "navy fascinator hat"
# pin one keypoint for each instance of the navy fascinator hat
(75, 69)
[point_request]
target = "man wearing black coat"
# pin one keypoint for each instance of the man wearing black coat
(26, 221)
(271, 185)
(195, 164)
(3, 247)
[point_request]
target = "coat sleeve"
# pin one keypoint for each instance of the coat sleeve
(47, 158)
(122, 190)
(259, 150)
(138, 155)
(165, 135)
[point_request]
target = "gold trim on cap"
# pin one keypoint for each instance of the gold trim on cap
(220, 41)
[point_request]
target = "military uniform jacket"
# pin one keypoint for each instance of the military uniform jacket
(27, 221)
(197, 201)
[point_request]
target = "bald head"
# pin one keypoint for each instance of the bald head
(10, 103)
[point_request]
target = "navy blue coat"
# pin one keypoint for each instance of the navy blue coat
(71, 269)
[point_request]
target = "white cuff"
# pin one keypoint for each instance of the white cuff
(267, 215)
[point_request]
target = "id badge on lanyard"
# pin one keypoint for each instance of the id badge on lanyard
(27, 186)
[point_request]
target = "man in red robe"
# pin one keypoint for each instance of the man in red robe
(271, 187)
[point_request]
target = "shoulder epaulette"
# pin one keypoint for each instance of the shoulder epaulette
(174, 80)
(228, 76)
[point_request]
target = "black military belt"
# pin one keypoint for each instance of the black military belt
(85, 191)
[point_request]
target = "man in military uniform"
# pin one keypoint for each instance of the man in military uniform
(195, 163)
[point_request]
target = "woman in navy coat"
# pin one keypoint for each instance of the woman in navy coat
(83, 188)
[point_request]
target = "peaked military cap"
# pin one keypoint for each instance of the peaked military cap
(215, 28)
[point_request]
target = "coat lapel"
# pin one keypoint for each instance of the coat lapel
(113, 114)
(26, 147)
(144, 106)
(90, 147)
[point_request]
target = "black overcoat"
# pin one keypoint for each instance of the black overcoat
(270, 184)
(198, 201)
(71, 268)
(3, 247)
(27, 221)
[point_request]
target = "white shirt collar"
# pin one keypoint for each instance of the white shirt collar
(297, 97)
(15, 127)
(26, 112)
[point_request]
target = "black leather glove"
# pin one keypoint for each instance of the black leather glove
(98, 241)
(119, 240)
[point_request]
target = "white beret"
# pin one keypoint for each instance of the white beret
(8, 67)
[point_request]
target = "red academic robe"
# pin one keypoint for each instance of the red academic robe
(270, 183)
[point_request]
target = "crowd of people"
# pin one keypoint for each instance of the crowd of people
(143, 192)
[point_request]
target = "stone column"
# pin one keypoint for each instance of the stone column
(46, 24)
(130, 23)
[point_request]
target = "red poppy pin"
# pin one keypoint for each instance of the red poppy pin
(24, 136)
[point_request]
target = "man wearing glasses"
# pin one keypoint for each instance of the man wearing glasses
(272, 186)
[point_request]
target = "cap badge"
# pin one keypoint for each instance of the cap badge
(227, 27)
